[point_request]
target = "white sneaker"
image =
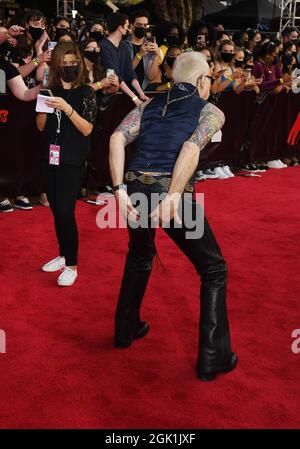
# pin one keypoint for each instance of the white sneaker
(276, 164)
(273, 164)
(211, 174)
(67, 277)
(227, 171)
(54, 265)
(282, 164)
(6, 206)
(23, 203)
(221, 173)
(200, 176)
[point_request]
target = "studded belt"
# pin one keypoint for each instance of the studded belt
(148, 179)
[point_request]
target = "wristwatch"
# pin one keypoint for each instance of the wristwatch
(118, 187)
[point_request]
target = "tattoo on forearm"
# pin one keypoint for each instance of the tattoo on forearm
(210, 121)
(130, 126)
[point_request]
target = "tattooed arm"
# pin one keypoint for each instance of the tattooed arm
(124, 134)
(210, 121)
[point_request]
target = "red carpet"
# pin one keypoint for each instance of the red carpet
(60, 369)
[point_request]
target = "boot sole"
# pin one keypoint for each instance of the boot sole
(208, 377)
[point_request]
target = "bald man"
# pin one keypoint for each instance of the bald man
(171, 131)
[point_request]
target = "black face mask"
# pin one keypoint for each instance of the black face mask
(35, 33)
(170, 61)
(61, 32)
(92, 56)
(294, 41)
(249, 66)
(69, 74)
(239, 63)
(227, 57)
(173, 41)
(140, 32)
(97, 35)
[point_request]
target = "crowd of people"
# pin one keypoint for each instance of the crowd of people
(130, 55)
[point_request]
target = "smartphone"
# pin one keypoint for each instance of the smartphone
(46, 92)
(151, 39)
(249, 74)
(109, 72)
(51, 45)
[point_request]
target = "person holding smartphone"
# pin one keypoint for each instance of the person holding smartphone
(30, 56)
(66, 139)
(143, 49)
(106, 82)
(115, 55)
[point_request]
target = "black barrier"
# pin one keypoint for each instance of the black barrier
(264, 126)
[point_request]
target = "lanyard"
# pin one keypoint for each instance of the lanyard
(58, 117)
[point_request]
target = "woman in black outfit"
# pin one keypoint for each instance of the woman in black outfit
(66, 139)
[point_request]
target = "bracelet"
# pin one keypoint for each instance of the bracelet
(134, 98)
(119, 187)
(281, 80)
(71, 112)
(169, 85)
(99, 84)
(35, 61)
(139, 56)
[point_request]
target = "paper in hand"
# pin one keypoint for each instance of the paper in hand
(41, 104)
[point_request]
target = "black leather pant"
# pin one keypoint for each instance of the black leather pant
(205, 255)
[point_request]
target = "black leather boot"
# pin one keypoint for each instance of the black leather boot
(229, 366)
(214, 339)
(128, 325)
(141, 332)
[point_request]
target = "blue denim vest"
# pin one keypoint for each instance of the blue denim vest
(161, 138)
